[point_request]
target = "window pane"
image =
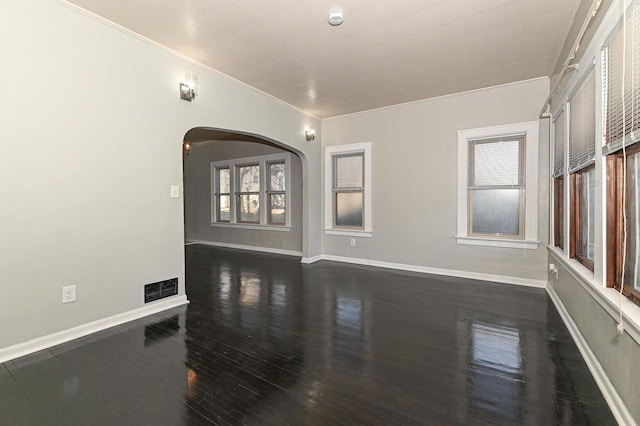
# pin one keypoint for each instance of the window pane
(223, 208)
(223, 181)
(276, 208)
(558, 218)
(496, 211)
(587, 213)
(349, 209)
(276, 174)
(632, 266)
(249, 178)
(497, 162)
(249, 208)
(349, 171)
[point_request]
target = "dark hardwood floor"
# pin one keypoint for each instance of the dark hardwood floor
(267, 340)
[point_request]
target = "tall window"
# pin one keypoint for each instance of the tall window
(559, 127)
(276, 193)
(581, 160)
(621, 122)
(497, 186)
(260, 188)
(248, 195)
(222, 194)
(348, 190)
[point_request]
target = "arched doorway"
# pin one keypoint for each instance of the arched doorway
(208, 151)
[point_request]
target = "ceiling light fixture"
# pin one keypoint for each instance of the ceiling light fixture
(336, 18)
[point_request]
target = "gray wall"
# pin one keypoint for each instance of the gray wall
(197, 194)
(414, 153)
(91, 130)
(617, 354)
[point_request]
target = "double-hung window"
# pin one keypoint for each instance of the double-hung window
(582, 172)
(252, 192)
(276, 193)
(348, 190)
(222, 194)
(559, 137)
(248, 194)
(621, 139)
(498, 186)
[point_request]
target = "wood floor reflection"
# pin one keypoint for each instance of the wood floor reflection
(266, 340)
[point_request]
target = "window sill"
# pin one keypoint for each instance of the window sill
(605, 296)
(256, 227)
(348, 233)
(497, 242)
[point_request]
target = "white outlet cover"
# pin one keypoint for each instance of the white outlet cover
(69, 294)
(175, 191)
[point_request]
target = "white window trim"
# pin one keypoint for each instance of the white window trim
(262, 161)
(329, 152)
(530, 241)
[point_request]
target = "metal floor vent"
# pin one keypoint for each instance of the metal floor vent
(160, 290)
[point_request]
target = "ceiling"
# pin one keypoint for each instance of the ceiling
(385, 53)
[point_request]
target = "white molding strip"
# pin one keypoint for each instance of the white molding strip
(44, 342)
(250, 248)
(503, 279)
(610, 394)
(309, 260)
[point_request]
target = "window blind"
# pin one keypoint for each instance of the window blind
(558, 144)
(582, 125)
(612, 81)
(497, 161)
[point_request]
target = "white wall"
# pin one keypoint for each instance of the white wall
(91, 128)
(197, 181)
(414, 153)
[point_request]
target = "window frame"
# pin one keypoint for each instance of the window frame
(529, 212)
(271, 192)
(614, 224)
(575, 217)
(331, 153)
(233, 165)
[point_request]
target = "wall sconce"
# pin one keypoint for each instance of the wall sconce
(310, 134)
(189, 89)
(186, 148)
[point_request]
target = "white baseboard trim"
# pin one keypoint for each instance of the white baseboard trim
(249, 248)
(436, 271)
(44, 342)
(610, 394)
(309, 260)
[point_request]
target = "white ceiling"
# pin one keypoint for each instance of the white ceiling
(387, 51)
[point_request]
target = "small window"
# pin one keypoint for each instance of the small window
(348, 190)
(496, 187)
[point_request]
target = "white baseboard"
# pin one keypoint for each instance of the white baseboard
(44, 342)
(436, 271)
(610, 394)
(249, 248)
(309, 260)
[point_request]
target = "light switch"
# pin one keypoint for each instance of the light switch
(175, 191)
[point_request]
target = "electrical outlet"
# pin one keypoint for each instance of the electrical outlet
(353, 242)
(175, 191)
(69, 294)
